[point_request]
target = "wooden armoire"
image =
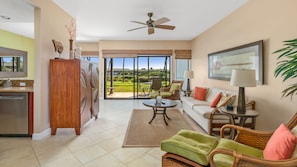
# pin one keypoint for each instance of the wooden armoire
(73, 93)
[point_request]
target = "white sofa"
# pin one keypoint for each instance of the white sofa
(204, 115)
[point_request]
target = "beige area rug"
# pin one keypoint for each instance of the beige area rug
(142, 134)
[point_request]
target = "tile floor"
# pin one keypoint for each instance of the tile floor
(99, 144)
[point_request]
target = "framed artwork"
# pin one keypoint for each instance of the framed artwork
(248, 56)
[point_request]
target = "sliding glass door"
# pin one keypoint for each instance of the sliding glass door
(131, 77)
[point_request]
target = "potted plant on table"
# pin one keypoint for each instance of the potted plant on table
(287, 66)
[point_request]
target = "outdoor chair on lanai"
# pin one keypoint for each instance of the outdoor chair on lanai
(156, 85)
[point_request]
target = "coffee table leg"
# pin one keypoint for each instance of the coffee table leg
(155, 113)
(165, 115)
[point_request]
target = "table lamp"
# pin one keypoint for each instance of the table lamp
(242, 78)
(189, 75)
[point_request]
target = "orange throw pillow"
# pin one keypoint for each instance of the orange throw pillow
(281, 144)
(215, 101)
(200, 93)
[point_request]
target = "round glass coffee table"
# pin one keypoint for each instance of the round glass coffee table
(160, 108)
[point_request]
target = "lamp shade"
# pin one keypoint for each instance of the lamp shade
(243, 78)
(189, 74)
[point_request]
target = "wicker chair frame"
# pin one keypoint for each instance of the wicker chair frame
(257, 139)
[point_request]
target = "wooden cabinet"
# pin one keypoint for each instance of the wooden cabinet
(65, 95)
(31, 112)
(71, 104)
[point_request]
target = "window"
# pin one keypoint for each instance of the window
(181, 65)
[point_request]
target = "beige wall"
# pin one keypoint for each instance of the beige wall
(50, 23)
(271, 21)
(89, 46)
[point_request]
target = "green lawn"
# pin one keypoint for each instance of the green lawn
(127, 86)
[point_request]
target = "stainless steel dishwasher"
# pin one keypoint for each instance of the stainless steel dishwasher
(14, 114)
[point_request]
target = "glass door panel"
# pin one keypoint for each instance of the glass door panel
(119, 80)
(143, 84)
(131, 77)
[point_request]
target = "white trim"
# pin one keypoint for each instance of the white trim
(39, 136)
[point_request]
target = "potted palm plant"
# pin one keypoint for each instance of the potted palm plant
(287, 66)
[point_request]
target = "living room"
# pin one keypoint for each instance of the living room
(265, 20)
(241, 27)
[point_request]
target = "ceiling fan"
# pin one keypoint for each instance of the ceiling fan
(151, 24)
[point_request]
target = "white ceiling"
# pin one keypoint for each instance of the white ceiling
(110, 19)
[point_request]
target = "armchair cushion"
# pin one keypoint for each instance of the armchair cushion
(173, 87)
(281, 145)
(165, 94)
(226, 160)
(190, 144)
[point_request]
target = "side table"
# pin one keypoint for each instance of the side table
(187, 93)
(242, 116)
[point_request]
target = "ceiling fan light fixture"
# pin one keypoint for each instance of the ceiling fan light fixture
(150, 30)
(151, 24)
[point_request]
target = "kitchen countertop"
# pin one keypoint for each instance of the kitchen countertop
(16, 89)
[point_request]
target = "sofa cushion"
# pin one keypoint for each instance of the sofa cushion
(215, 101)
(190, 101)
(226, 160)
(200, 93)
(281, 144)
(203, 110)
(192, 145)
(212, 93)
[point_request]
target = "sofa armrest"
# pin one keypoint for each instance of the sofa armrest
(212, 117)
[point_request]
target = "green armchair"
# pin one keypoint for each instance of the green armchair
(171, 92)
(247, 149)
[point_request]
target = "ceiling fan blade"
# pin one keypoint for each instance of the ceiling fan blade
(168, 27)
(139, 22)
(137, 28)
(150, 30)
(160, 21)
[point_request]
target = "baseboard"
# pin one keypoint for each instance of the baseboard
(43, 134)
